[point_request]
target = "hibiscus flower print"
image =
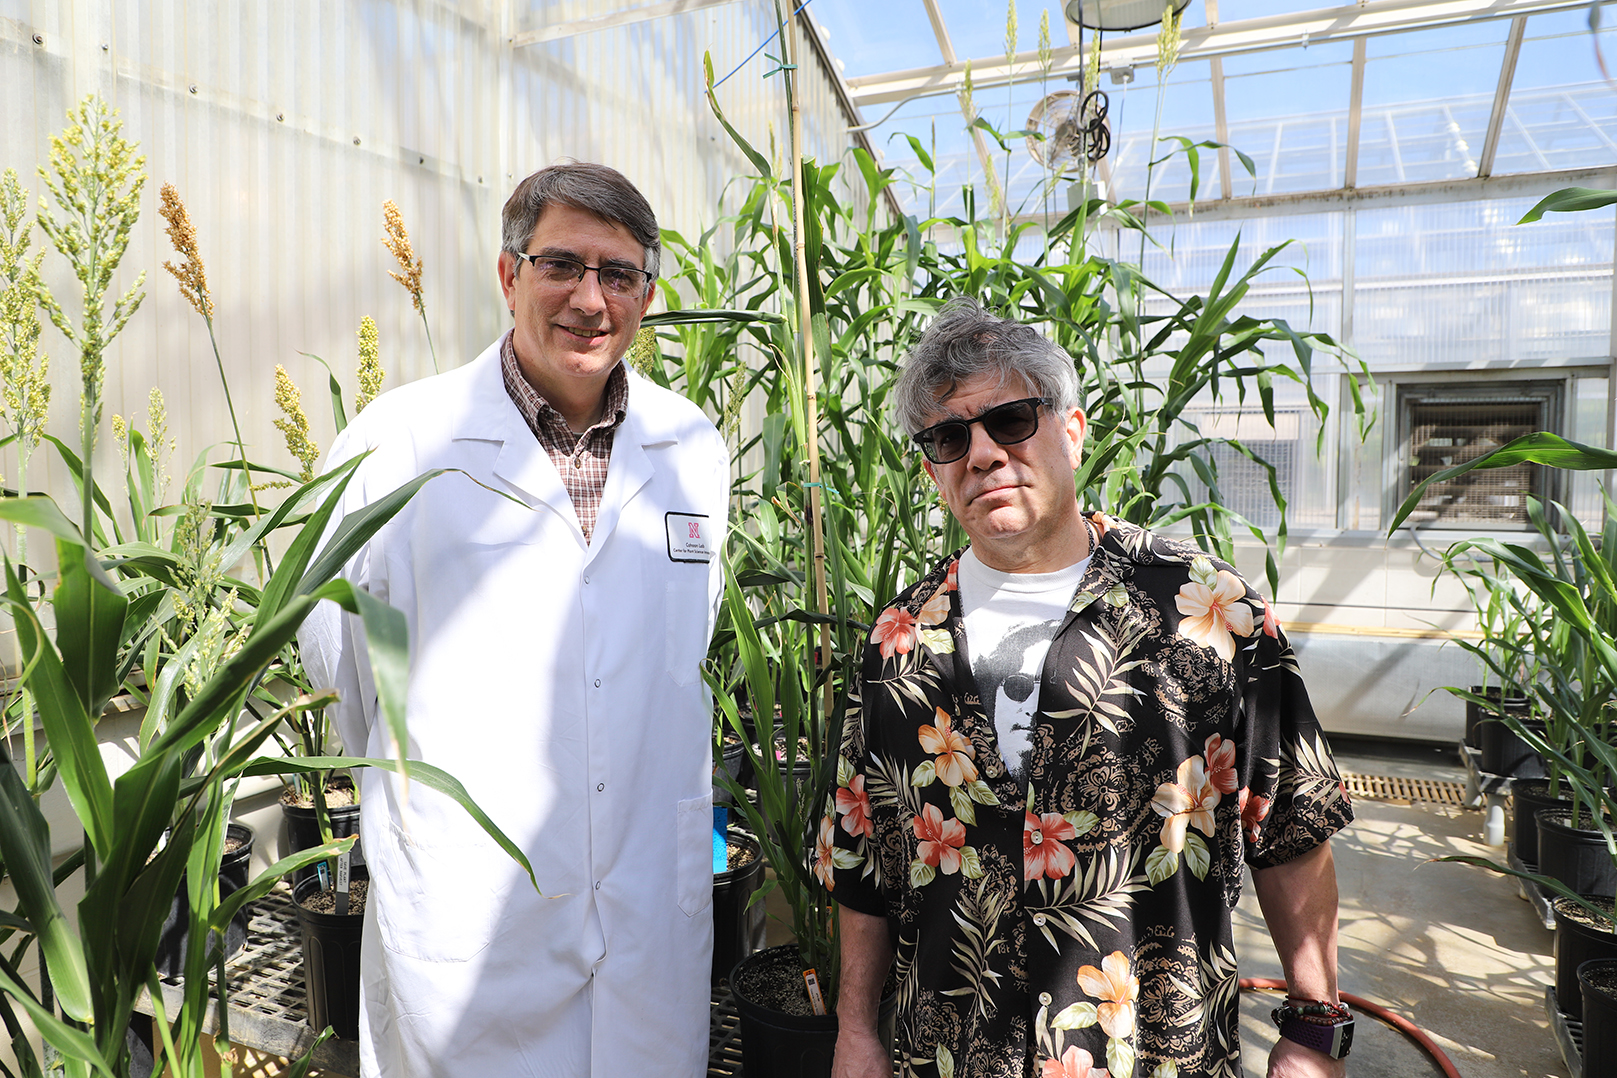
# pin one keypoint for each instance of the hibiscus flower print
(1271, 623)
(941, 840)
(824, 851)
(954, 765)
(894, 632)
(1253, 811)
(1117, 988)
(936, 610)
(1211, 614)
(1074, 1063)
(854, 806)
(1044, 853)
(1221, 764)
(1188, 802)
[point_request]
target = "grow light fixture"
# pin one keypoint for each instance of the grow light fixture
(1113, 15)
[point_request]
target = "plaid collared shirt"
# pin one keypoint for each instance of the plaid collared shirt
(581, 459)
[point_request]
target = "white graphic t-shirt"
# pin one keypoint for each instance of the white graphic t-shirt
(1010, 619)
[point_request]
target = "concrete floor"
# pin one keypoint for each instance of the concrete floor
(1452, 948)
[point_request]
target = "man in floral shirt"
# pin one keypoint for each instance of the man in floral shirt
(1066, 743)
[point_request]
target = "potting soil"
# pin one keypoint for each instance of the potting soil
(326, 901)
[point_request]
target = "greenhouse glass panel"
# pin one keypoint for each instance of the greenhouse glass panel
(1187, 111)
(1301, 284)
(1562, 113)
(1427, 99)
(1460, 284)
(1287, 109)
(900, 40)
(977, 29)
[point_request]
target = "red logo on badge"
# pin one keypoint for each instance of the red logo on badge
(696, 530)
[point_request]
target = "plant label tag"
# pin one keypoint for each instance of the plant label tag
(342, 884)
(811, 981)
(690, 536)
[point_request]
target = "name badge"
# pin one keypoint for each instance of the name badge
(690, 537)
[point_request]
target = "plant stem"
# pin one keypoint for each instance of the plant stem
(811, 373)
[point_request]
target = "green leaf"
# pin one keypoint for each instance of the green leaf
(1162, 863)
(358, 527)
(72, 1043)
(1083, 821)
(960, 801)
(1569, 200)
(921, 873)
(925, 774)
(387, 642)
(1075, 1016)
(1542, 447)
(1197, 855)
(68, 727)
(971, 863)
(25, 844)
(89, 625)
(1119, 1056)
(266, 880)
(39, 511)
(433, 778)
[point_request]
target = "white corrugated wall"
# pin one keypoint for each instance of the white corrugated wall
(284, 126)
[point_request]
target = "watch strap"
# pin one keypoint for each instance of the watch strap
(1324, 1027)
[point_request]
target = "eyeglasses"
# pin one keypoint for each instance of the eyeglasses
(1007, 424)
(618, 281)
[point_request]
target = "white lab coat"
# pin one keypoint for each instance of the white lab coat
(558, 681)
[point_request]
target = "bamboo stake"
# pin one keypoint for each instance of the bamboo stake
(811, 370)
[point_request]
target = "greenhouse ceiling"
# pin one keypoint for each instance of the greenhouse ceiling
(1418, 100)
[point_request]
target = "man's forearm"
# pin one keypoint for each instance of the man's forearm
(867, 953)
(1299, 904)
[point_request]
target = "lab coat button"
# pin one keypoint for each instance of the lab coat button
(597, 885)
(597, 683)
(599, 786)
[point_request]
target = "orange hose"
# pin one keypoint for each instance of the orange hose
(1396, 1021)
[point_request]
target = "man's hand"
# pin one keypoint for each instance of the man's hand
(859, 1055)
(1288, 1059)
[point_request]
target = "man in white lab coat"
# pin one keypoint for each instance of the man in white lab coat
(559, 608)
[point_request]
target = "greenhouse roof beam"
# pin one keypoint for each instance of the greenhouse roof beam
(1501, 97)
(940, 30)
(1522, 185)
(1204, 42)
(1355, 114)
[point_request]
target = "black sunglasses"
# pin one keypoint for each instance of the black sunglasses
(1007, 424)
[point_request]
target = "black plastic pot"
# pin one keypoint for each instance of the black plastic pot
(233, 872)
(1503, 753)
(1529, 796)
(737, 930)
(775, 1044)
(738, 765)
(1575, 944)
(1574, 855)
(331, 962)
(1597, 981)
(303, 832)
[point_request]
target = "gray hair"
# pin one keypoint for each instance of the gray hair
(965, 341)
(597, 189)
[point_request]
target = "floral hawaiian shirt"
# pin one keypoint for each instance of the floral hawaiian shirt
(1078, 927)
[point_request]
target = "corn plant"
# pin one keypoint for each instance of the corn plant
(1574, 638)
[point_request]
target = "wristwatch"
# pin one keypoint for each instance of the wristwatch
(1314, 1023)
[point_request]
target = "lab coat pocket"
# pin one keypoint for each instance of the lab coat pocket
(685, 612)
(440, 903)
(693, 833)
